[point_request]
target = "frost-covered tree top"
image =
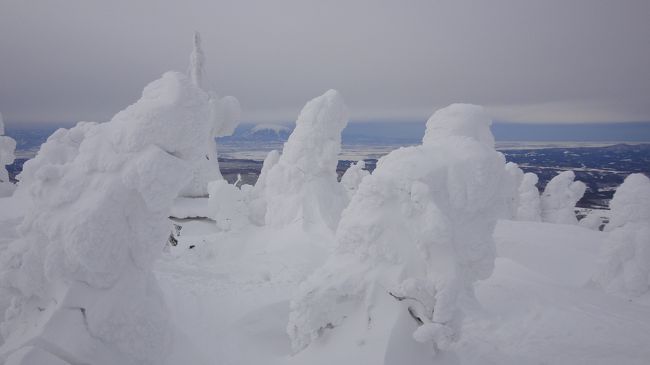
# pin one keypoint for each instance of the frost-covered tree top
(302, 185)
(459, 120)
(315, 143)
(353, 176)
(197, 60)
(7, 156)
(624, 267)
(418, 232)
(560, 197)
(631, 201)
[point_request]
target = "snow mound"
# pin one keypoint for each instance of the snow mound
(302, 186)
(100, 197)
(417, 234)
(625, 259)
(560, 197)
(7, 156)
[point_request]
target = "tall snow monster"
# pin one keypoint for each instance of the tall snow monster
(412, 242)
(80, 274)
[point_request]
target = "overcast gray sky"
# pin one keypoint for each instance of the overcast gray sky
(539, 61)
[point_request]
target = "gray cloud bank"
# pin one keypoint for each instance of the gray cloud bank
(528, 61)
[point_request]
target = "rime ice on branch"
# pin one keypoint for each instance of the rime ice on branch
(7, 148)
(415, 237)
(302, 186)
(560, 197)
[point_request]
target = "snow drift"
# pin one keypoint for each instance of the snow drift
(414, 239)
(7, 148)
(100, 197)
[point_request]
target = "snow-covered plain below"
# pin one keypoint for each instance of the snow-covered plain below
(111, 251)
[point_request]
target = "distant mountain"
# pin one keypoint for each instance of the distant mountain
(260, 132)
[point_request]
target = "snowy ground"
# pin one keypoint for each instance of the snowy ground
(229, 295)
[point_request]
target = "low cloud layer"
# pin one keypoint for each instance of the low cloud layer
(528, 61)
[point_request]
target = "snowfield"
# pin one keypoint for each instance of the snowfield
(122, 244)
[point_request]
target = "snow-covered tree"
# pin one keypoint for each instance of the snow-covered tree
(222, 113)
(560, 197)
(197, 60)
(302, 186)
(7, 148)
(353, 176)
(257, 204)
(625, 259)
(80, 273)
(529, 208)
(413, 240)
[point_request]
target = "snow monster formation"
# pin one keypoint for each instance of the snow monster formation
(80, 274)
(223, 116)
(7, 148)
(412, 242)
(353, 176)
(625, 259)
(560, 197)
(529, 208)
(302, 185)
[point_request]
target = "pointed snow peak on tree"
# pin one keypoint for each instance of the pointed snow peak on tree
(197, 59)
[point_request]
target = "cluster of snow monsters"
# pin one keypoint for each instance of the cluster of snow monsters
(7, 148)
(418, 230)
(412, 238)
(100, 197)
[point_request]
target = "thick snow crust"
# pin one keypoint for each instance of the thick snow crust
(7, 148)
(79, 274)
(625, 259)
(302, 186)
(560, 197)
(414, 239)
